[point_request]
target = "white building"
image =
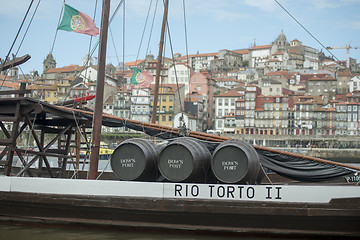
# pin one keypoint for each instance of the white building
(89, 74)
(180, 73)
(200, 61)
(354, 84)
(140, 104)
(224, 105)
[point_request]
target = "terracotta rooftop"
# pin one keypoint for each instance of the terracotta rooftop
(274, 60)
(2, 77)
(71, 68)
(230, 93)
(344, 73)
(278, 73)
(199, 55)
(134, 63)
(278, 53)
(109, 100)
(262, 46)
(245, 51)
(12, 85)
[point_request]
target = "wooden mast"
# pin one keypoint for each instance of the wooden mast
(97, 119)
(159, 60)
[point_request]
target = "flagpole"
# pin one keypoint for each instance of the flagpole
(159, 60)
(97, 119)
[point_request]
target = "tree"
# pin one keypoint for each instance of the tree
(245, 63)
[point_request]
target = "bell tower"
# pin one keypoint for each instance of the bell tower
(49, 62)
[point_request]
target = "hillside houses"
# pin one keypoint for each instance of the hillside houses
(280, 88)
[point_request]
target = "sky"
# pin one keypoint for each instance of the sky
(211, 25)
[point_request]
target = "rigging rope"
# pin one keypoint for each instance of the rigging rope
(90, 41)
(186, 45)
(113, 42)
(141, 40)
(93, 49)
(176, 78)
(142, 36)
(161, 79)
(61, 13)
(123, 43)
(306, 30)
(151, 29)
(7, 56)
(27, 29)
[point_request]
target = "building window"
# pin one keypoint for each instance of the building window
(170, 118)
(163, 118)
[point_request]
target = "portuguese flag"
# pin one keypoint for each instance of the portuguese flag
(76, 21)
(141, 78)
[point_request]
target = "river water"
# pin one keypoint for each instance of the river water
(14, 232)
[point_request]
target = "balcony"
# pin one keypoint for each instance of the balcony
(140, 113)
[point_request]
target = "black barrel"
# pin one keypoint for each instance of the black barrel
(234, 161)
(135, 159)
(185, 160)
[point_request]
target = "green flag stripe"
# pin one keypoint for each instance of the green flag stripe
(69, 12)
(133, 77)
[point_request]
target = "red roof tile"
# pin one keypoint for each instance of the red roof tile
(245, 51)
(134, 63)
(262, 46)
(71, 68)
(230, 93)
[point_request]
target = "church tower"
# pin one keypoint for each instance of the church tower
(281, 42)
(49, 62)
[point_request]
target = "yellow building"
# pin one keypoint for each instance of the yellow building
(44, 92)
(170, 96)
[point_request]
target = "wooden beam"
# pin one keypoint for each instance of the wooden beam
(23, 161)
(14, 62)
(159, 61)
(38, 143)
(45, 151)
(12, 145)
(9, 92)
(7, 118)
(67, 148)
(6, 132)
(3, 153)
(97, 120)
(5, 142)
